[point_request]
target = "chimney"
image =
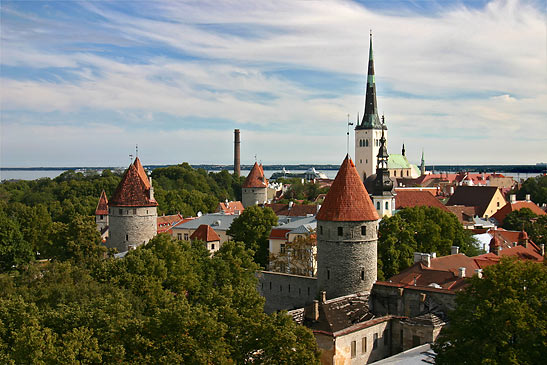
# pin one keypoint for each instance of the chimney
(461, 271)
(433, 255)
(454, 250)
(426, 259)
(512, 198)
(151, 188)
(237, 166)
(417, 257)
(323, 295)
(451, 190)
(527, 197)
(479, 273)
(542, 249)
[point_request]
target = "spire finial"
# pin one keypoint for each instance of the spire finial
(137, 150)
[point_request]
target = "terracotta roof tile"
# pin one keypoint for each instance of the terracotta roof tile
(476, 196)
(278, 233)
(511, 207)
(296, 210)
(464, 214)
(256, 178)
(230, 207)
(347, 199)
(102, 205)
(132, 191)
(414, 198)
(141, 172)
(205, 233)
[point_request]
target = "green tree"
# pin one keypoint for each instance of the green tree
(525, 219)
(419, 229)
(536, 187)
(14, 250)
(499, 319)
(253, 228)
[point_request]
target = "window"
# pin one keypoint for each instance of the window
(340, 231)
(146, 211)
(362, 274)
(406, 172)
(353, 349)
(101, 217)
(186, 236)
(328, 274)
(121, 211)
(270, 285)
(134, 211)
(375, 341)
(363, 230)
(387, 205)
(498, 207)
(289, 288)
(127, 237)
(377, 205)
(363, 345)
(282, 248)
(179, 236)
(212, 246)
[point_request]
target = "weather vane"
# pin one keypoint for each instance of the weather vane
(347, 143)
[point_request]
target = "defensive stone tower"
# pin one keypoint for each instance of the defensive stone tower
(255, 187)
(346, 236)
(237, 153)
(132, 210)
(369, 130)
(101, 214)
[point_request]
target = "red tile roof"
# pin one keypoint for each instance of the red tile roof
(132, 191)
(414, 198)
(205, 233)
(464, 214)
(347, 199)
(141, 172)
(521, 252)
(166, 222)
(102, 205)
(511, 207)
(296, 210)
(230, 207)
(256, 178)
(278, 233)
(476, 196)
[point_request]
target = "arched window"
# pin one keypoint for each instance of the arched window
(387, 205)
(378, 205)
(366, 142)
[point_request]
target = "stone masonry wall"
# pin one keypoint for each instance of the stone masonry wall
(250, 196)
(131, 226)
(286, 291)
(346, 264)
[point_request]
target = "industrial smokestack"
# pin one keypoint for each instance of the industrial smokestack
(237, 166)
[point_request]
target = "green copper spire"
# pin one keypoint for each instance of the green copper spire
(370, 117)
(422, 165)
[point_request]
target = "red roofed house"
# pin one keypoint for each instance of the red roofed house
(101, 216)
(346, 236)
(166, 222)
(415, 198)
(487, 200)
(132, 210)
(208, 235)
(514, 205)
(255, 187)
(230, 207)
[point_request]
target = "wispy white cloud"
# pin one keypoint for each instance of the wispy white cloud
(459, 82)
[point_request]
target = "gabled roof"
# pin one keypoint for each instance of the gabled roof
(102, 205)
(230, 207)
(166, 222)
(256, 178)
(475, 196)
(414, 198)
(132, 191)
(205, 233)
(278, 233)
(464, 214)
(511, 207)
(347, 199)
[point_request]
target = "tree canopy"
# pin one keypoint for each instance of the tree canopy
(253, 228)
(499, 319)
(536, 187)
(525, 219)
(418, 229)
(167, 302)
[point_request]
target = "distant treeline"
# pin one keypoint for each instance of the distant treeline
(529, 169)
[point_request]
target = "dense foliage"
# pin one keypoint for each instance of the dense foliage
(168, 303)
(536, 187)
(499, 319)
(419, 229)
(525, 219)
(253, 228)
(54, 218)
(306, 191)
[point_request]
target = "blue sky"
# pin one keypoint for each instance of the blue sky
(83, 82)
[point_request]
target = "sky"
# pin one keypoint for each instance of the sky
(83, 83)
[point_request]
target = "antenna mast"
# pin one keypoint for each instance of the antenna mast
(347, 142)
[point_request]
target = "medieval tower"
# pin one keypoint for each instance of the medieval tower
(346, 236)
(255, 187)
(101, 215)
(132, 210)
(382, 191)
(369, 130)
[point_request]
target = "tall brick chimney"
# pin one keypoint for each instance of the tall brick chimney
(237, 166)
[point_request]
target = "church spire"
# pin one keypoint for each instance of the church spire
(382, 184)
(370, 116)
(422, 165)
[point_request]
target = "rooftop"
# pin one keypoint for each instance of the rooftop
(205, 233)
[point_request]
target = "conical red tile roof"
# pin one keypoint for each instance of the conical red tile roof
(102, 205)
(132, 191)
(141, 172)
(205, 233)
(347, 199)
(256, 178)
